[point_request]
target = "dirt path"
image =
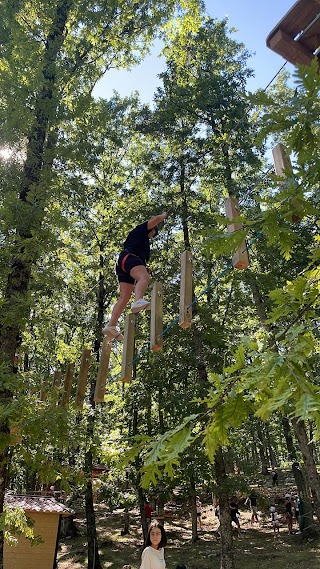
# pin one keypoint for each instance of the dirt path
(256, 548)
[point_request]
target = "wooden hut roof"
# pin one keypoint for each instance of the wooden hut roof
(297, 36)
(44, 504)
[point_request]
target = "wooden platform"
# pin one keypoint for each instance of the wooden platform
(284, 38)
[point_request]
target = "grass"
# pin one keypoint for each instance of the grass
(257, 548)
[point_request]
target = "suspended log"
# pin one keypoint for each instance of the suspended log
(128, 347)
(103, 370)
(156, 326)
(15, 435)
(57, 378)
(283, 167)
(185, 311)
(43, 395)
(281, 160)
(83, 376)
(67, 385)
(240, 259)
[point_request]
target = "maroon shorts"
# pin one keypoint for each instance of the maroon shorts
(126, 262)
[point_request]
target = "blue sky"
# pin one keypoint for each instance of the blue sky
(253, 19)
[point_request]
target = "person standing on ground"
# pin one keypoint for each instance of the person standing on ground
(234, 512)
(252, 501)
(289, 514)
(148, 512)
(153, 554)
(199, 512)
(274, 520)
(132, 272)
(274, 478)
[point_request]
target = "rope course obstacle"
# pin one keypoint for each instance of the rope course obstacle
(240, 261)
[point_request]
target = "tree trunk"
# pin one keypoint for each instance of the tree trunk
(311, 468)
(195, 536)
(227, 555)
(263, 458)
(93, 551)
(300, 480)
(273, 459)
(15, 300)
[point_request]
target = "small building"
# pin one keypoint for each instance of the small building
(47, 515)
(99, 469)
(297, 36)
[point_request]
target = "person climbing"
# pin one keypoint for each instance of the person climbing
(132, 272)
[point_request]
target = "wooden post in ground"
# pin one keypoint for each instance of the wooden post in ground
(240, 259)
(83, 376)
(128, 347)
(67, 385)
(156, 325)
(185, 312)
(103, 370)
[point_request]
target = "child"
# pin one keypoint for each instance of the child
(199, 511)
(275, 520)
(153, 554)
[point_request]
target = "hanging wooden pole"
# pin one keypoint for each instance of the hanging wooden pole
(128, 347)
(156, 325)
(57, 378)
(240, 259)
(283, 167)
(16, 435)
(83, 376)
(67, 385)
(103, 370)
(43, 394)
(185, 311)
(281, 161)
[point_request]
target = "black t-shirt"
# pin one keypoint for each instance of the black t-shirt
(234, 509)
(253, 500)
(138, 243)
(288, 507)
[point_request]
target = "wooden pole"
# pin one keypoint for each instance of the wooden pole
(67, 385)
(16, 435)
(43, 394)
(57, 378)
(128, 347)
(103, 370)
(156, 326)
(281, 160)
(240, 259)
(83, 375)
(185, 312)
(283, 167)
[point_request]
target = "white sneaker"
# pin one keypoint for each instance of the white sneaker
(113, 332)
(140, 304)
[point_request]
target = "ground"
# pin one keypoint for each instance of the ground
(256, 548)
